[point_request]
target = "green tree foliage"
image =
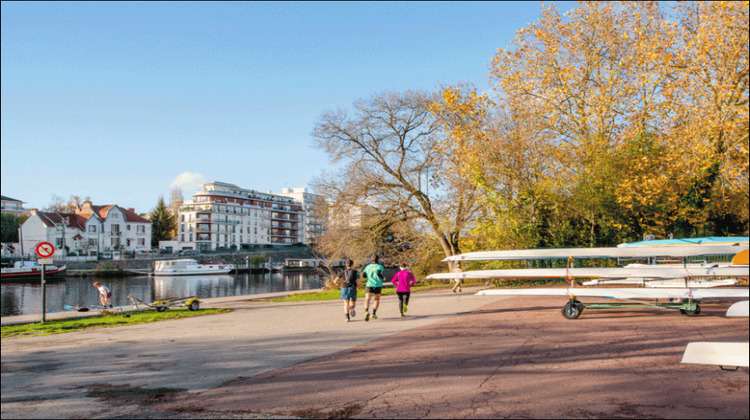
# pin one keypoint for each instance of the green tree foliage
(10, 225)
(162, 223)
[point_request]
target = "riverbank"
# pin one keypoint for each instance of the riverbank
(208, 303)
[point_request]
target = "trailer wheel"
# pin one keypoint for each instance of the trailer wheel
(693, 312)
(194, 305)
(571, 311)
(161, 308)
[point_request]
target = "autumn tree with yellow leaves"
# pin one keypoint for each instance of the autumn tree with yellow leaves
(612, 121)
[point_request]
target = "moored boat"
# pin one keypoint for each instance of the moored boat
(30, 270)
(189, 267)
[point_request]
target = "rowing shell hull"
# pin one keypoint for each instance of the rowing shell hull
(653, 272)
(624, 293)
(624, 252)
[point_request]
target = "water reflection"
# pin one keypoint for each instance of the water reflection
(25, 298)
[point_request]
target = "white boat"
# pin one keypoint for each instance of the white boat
(189, 267)
(30, 270)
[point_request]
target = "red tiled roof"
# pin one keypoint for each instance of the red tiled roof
(130, 215)
(71, 219)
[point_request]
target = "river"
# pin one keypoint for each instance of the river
(26, 298)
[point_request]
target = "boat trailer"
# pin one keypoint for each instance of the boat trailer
(162, 305)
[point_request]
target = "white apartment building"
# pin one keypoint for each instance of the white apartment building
(12, 206)
(90, 230)
(313, 205)
(225, 216)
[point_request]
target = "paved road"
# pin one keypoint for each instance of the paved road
(66, 375)
(515, 358)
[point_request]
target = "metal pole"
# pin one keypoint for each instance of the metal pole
(44, 294)
(20, 240)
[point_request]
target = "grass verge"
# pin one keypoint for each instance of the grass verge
(106, 320)
(336, 294)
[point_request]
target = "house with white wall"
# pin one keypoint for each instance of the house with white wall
(89, 230)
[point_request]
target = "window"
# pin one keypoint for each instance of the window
(92, 242)
(141, 229)
(115, 228)
(92, 228)
(141, 242)
(58, 243)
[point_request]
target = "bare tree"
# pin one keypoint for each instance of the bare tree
(59, 205)
(391, 162)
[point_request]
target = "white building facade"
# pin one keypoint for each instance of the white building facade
(225, 216)
(89, 231)
(12, 206)
(312, 204)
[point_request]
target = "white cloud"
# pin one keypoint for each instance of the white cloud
(188, 182)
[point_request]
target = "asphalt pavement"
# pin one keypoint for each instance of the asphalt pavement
(113, 372)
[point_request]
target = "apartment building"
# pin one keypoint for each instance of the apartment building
(314, 207)
(12, 206)
(225, 216)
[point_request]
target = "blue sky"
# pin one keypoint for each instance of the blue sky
(120, 101)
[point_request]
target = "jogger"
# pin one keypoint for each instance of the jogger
(403, 280)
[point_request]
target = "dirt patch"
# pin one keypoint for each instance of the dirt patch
(344, 413)
(127, 395)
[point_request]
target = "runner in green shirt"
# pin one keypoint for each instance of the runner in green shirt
(374, 275)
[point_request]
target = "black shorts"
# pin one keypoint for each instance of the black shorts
(373, 290)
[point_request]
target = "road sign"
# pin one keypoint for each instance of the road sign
(44, 261)
(45, 250)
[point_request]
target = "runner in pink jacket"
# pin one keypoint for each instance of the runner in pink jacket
(403, 280)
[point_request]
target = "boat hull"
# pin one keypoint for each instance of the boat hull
(192, 273)
(11, 275)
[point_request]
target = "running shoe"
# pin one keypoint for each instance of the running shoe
(402, 315)
(374, 316)
(367, 316)
(405, 307)
(352, 312)
(348, 320)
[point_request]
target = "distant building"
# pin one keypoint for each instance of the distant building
(314, 207)
(12, 206)
(351, 216)
(225, 216)
(89, 230)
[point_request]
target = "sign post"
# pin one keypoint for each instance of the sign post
(44, 250)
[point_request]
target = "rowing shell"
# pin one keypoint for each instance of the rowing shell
(647, 272)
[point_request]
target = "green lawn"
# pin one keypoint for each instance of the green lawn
(336, 294)
(105, 320)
